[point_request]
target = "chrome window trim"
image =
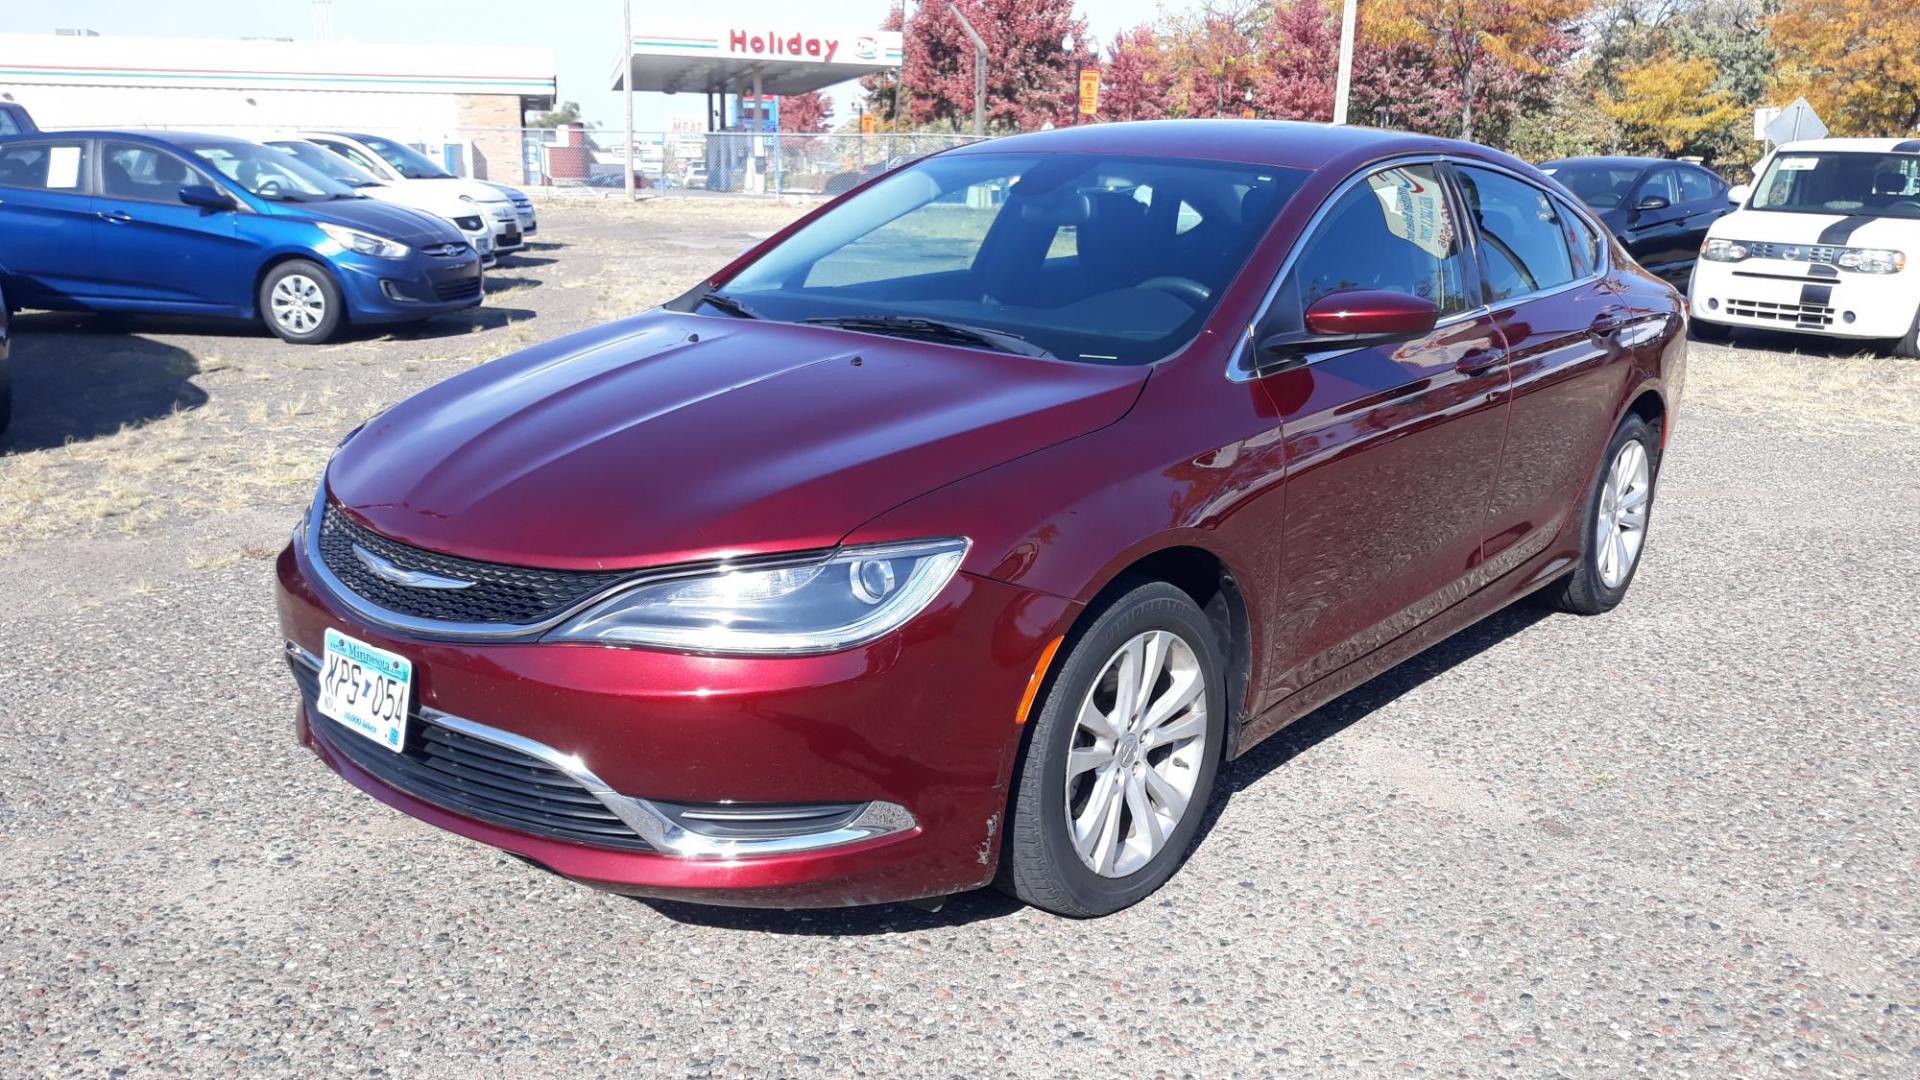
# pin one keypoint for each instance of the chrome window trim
(878, 818)
(1240, 370)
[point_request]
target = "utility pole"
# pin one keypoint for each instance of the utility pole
(1342, 88)
(979, 70)
(626, 80)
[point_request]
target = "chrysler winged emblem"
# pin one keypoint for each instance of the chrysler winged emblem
(389, 570)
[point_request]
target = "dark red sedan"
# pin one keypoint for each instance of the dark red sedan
(960, 531)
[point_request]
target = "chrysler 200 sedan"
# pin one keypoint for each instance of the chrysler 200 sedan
(960, 531)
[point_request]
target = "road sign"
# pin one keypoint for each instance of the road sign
(1089, 90)
(1761, 118)
(1796, 121)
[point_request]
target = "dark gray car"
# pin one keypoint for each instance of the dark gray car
(1659, 209)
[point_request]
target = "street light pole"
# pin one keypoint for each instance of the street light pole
(979, 70)
(1342, 88)
(626, 80)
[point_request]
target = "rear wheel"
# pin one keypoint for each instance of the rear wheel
(300, 302)
(1122, 759)
(1717, 333)
(1614, 531)
(1909, 346)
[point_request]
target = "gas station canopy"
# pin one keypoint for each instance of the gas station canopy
(743, 57)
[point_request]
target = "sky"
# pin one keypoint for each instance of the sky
(583, 34)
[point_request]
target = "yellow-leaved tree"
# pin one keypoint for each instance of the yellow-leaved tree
(1667, 106)
(1482, 46)
(1859, 59)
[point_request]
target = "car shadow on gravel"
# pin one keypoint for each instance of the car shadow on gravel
(1283, 747)
(1814, 345)
(72, 385)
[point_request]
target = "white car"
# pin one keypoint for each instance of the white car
(529, 220)
(426, 198)
(1826, 243)
(397, 163)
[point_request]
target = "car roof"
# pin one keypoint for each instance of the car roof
(1281, 143)
(175, 139)
(1904, 146)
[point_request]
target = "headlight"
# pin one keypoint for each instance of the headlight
(835, 601)
(1718, 250)
(1871, 260)
(364, 243)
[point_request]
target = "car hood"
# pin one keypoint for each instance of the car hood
(409, 226)
(669, 438)
(1780, 227)
(459, 186)
(429, 200)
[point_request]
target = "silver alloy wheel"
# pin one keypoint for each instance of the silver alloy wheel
(1621, 530)
(1138, 742)
(297, 303)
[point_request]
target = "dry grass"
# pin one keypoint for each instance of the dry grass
(1827, 393)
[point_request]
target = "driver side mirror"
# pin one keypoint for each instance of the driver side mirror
(1353, 319)
(1653, 202)
(206, 197)
(1737, 194)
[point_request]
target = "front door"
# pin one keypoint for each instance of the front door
(154, 248)
(46, 223)
(1391, 451)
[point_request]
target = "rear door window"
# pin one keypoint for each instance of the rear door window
(1696, 186)
(1524, 234)
(58, 166)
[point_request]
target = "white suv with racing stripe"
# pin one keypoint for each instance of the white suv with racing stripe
(1825, 243)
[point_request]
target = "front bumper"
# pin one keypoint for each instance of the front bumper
(507, 233)
(921, 722)
(1775, 294)
(416, 287)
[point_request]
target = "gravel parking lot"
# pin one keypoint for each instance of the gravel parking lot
(1673, 841)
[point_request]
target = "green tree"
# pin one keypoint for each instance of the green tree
(567, 113)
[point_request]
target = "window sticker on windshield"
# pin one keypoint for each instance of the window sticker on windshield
(1798, 164)
(63, 167)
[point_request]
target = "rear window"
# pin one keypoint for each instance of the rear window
(1602, 187)
(45, 166)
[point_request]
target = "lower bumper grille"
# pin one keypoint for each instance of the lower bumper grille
(1797, 314)
(457, 289)
(475, 778)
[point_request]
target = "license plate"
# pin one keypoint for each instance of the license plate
(366, 689)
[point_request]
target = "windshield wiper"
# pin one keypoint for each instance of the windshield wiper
(914, 326)
(729, 305)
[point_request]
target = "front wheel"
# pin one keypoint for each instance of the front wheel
(1909, 346)
(1716, 333)
(1614, 530)
(1121, 763)
(300, 302)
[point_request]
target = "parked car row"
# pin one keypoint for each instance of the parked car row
(306, 233)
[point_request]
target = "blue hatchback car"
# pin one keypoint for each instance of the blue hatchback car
(211, 225)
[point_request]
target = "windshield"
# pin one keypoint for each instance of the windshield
(1100, 259)
(405, 160)
(270, 173)
(1602, 187)
(1847, 182)
(326, 162)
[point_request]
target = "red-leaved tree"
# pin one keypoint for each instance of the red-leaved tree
(1137, 78)
(808, 112)
(1300, 52)
(1029, 65)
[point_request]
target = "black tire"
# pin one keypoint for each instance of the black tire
(1717, 333)
(6, 397)
(1909, 346)
(1586, 591)
(1039, 863)
(309, 281)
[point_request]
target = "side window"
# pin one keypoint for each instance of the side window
(1524, 244)
(1695, 186)
(59, 167)
(133, 171)
(1662, 182)
(1394, 231)
(1582, 241)
(7, 126)
(354, 156)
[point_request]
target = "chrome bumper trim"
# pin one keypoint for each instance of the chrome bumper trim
(646, 820)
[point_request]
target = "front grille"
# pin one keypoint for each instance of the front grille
(1811, 253)
(1797, 314)
(457, 289)
(475, 778)
(500, 594)
(445, 250)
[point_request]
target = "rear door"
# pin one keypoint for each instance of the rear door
(1657, 236)
(1542, 269)
(46, 222)
(1704, 197)
(1391, 451)
(152, 247)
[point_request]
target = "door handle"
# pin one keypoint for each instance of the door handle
(1607, 324)
(118, 217)
(1478, 360)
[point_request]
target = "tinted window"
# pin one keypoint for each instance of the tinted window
(1696, 186)
(270, 173)
(353, 155)
(132, 171)
(1661, 183)
(1602, 187)
(1583, 242)
(7, 126)
(1523, 234)
(1395, 231)
(405, 160)
(1090, 257)
(46, 166)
